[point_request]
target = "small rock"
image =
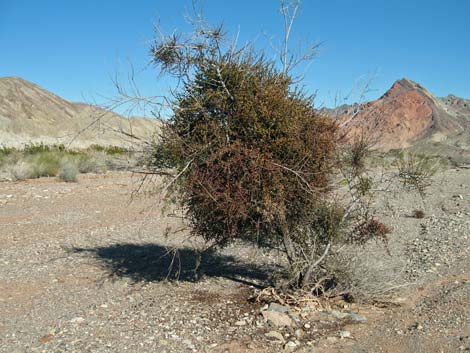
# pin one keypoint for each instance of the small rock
(337, 314)
(307, 326)
(289, 346)
(275, 335)
(278, 308)
(188, 343)
(77, 320)
(344, 334)
(240, 323)
(299, 333)
(357, 317)
(277, 318)
(332, 339)
(294, 316)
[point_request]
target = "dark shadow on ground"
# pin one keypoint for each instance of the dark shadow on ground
(154, 262)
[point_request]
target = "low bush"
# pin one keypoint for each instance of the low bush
(416, 170)
(92, 162)
(248, 156)
(111, 150)
(418, 214)
(68, 171)
(44, 164)
(40, 148)
(40, 160)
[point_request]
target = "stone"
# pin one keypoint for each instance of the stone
(337, 314)
(299, 333)
(332, 339)
(277, 318)
(357, 317)
(275, 335)
(294, 316)
(344, 334)
(290, 346)
(77, 320)
(278, 308)
(240, 323)
(188, 343)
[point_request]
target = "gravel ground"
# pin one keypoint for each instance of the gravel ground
(82, 269)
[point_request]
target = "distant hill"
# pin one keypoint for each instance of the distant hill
(406, 116)
(409, 116)
(31, 114)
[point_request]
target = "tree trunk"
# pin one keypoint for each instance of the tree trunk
(306, 278)
(288, 245)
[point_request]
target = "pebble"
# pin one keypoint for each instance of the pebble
(332, 339)
(291, 345)
(276, 335)
(278, 308)
(357, 317)
(77, 320)
(337, 314)
(277, 318)
(299, 333)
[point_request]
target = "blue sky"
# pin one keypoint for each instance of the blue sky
(73, 47)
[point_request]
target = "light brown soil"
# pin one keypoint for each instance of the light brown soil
(81, 270)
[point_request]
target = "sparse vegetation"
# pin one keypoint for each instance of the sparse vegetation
(418, 214)
(110, 150)
(416, 171)
(40, 160)
(68, 171)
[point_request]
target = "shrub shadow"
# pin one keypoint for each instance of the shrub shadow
(154, 262)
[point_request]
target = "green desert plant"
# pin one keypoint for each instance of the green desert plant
(44, 164)
(253, 159)
(40, 148)
(111, 150)
(416, 171)
(68, 171)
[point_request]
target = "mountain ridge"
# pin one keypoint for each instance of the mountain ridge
(408, 115)
(32, 114)
(405, 116)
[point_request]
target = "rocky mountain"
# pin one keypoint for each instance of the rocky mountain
(408, 115)
(31, 114)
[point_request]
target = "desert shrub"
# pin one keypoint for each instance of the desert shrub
(30, 149)
(418, 214)
(111, 150)
(44, 164)
(15, 171)
(68, 171)
(253, 158)
(40, 160)
(416, 170)
(6, 151)
(9, 156)
(247, 156)
(92, 162)
(370, 229)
